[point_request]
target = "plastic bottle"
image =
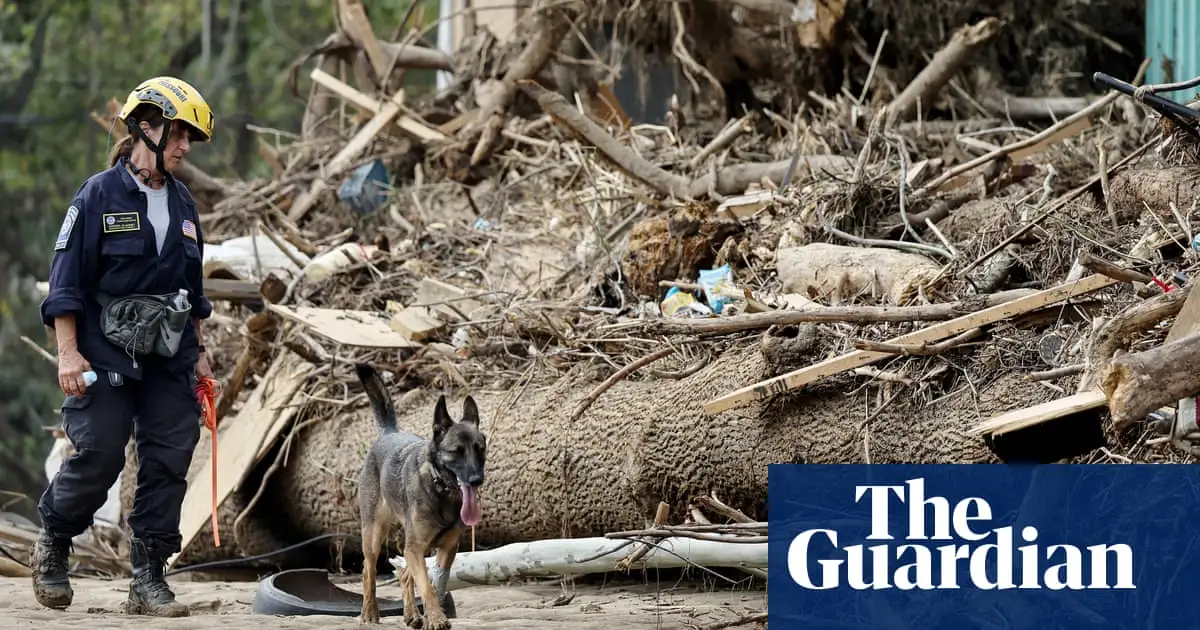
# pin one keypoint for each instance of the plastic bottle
(89, 377)
(181, 301)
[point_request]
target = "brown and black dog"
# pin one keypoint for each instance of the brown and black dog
(428, 487)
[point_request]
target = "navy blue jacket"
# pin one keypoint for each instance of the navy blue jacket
(101, 247)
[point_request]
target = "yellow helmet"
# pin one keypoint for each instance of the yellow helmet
(178, 101)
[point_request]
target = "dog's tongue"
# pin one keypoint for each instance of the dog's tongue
(470, 512)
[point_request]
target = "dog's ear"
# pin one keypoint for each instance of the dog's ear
(441, 418)
(470, 411)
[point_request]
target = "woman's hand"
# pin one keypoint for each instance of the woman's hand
(203, 369)
(71, 366)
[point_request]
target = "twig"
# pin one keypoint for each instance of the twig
(1031, 141)
(40, 350)
(922, 350)
(1047, 375)
(744, 620)
(723, 139)
(1099, 265)
(1102, 158)
(1055, 206)
(915, 248)
(618, 376)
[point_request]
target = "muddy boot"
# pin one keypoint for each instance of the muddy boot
(148, 592)
(51, 586)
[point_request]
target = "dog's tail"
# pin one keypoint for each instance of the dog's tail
(381, 401)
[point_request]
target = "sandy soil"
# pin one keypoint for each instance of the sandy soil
(227, 605)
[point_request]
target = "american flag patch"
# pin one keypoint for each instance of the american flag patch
(189, 229)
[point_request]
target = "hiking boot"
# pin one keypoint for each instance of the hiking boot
(51, 585)
(148, 592)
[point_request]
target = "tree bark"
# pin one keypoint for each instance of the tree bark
(1133, 190)
(1117, 333)
(1138, 383)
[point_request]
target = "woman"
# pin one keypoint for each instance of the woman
(132, 230)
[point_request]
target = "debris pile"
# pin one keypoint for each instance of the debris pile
(647, 314)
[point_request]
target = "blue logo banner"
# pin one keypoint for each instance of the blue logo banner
(982, 546)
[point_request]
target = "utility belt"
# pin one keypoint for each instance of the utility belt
(143, 324)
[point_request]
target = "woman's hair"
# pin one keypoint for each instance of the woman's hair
(142, 113)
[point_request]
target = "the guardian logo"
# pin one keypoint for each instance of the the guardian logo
(986, 557)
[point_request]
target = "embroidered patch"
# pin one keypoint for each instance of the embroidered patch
(116, 222)
(64, 232)
(189, 229)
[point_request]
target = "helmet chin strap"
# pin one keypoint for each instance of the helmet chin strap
(135, 129)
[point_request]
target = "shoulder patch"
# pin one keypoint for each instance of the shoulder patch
(68, 226)
(189, 229)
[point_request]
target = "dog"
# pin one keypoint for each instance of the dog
(428, 487)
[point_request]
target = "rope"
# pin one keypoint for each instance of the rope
(206, 392)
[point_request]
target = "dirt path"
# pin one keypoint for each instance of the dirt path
(227, 605)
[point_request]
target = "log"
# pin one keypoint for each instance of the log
(841, 272)
(855, 314)
(641, 444)
(1141, 382)
(1118, 332)
(583, 556)
(1135, 189)
(945, 64)
(1023, 108)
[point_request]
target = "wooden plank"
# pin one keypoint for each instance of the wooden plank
(369, 105)
(364, 329)
(242, 442)
(347, 155)
(416, 323)
(446, 298)
(742, 206)
(799, 378)
(1037, 414)
(358, 27)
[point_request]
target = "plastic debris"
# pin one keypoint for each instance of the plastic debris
(683, 304)
(717, 286)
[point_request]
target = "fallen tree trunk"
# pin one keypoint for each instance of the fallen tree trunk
(1140, 382)
(640, 444)
(855, 314)
(583, 556)
(1117, 333)
(1156, 188)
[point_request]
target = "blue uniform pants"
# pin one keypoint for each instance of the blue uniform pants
(162, 414)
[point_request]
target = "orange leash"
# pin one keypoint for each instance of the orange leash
(206, 393)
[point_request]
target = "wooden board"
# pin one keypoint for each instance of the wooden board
(369, 105)
(416, 323)
(937, 332)
(446, 299)
(242, 443)
(364, 329)
(1188, 319)
(1037, 414)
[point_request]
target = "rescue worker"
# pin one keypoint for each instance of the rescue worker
(131, 230)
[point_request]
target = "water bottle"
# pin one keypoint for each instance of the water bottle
(89, 377)
(181, 301)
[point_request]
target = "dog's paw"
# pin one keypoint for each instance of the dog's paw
(368, 618)
(414, 620)
(437, 621)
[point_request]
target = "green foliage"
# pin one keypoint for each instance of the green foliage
(94, 51)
